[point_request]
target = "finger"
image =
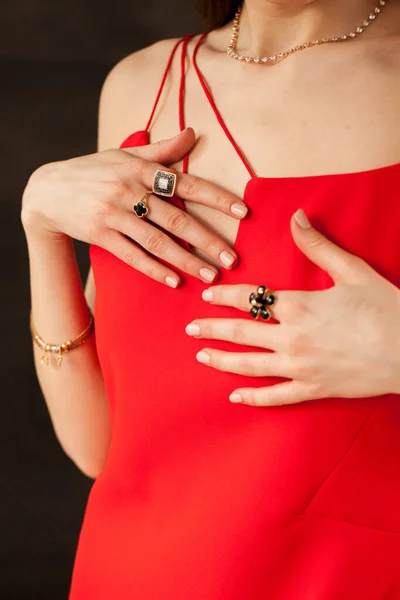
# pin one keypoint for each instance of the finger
(166, 151)
(238, 331)
(342, 266)
(184, 226)
(253, 364)
(196, 189)
(131, 254)
(288, 392)
(160, 244)
(290, 306)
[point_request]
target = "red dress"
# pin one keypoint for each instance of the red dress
(202, 499)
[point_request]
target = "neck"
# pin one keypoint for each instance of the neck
(271, 26)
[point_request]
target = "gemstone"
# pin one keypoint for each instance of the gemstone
(371, 17)
(264, 313)
(270, 299)
(163, 183)
(140, 209)
(377, 10)
(254, 312)
(365, 23)
(352, 34)
(359, 30)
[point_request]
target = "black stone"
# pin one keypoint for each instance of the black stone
(140, 209)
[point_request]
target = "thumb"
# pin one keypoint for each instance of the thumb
(341, 265)
(166, 151)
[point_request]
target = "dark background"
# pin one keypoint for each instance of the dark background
(54, 57)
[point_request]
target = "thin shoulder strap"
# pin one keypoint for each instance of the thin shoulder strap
(215, 109)
(164, 78)
(182, 96)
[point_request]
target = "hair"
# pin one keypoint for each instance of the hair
(218, 12)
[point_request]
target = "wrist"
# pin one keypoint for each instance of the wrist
(37, 232)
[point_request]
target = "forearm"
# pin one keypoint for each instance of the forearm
(74, 392)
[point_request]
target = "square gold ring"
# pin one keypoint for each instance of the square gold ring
(164, 182)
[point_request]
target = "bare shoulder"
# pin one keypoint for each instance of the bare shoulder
(129, 90)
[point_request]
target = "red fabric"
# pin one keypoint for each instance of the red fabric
(202, 499)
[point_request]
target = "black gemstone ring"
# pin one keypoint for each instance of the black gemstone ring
(260, 300)
(164, 182)
(140, 208)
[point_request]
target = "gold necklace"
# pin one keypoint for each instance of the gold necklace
(275, 58)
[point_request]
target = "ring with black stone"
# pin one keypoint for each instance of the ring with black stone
(260, 300)
(140, 208)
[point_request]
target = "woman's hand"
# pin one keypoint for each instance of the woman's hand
(340, 342)
(90, 198)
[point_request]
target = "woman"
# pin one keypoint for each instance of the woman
(291, 490)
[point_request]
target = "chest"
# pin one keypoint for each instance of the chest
(318, 112)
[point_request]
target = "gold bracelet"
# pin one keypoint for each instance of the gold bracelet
(59, 349)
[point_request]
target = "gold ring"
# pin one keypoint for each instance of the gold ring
(164, 182)
(140, 208)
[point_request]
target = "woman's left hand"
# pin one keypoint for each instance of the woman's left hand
(339, 342)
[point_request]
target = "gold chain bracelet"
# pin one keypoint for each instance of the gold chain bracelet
(59, 349)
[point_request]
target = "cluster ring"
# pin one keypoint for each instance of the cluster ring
(260, 300)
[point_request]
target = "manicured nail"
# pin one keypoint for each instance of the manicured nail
(192, 329)
(172, 281)
(227, 258)
(207, 295)
(208, 274)
(235, 397)
(240, 210)
(203, 357)
(301, 218)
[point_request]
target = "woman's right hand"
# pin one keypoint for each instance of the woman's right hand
(90, 198)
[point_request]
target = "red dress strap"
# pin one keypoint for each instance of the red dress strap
(164, 78)
(182, 95)
(215, 109)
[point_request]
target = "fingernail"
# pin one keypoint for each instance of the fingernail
(301, 218)
(192, 329)
(172, 281)
(235, 397)
(208, 274)
(239, 209)
(207, 295)
(227, 258)
(203, 357)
